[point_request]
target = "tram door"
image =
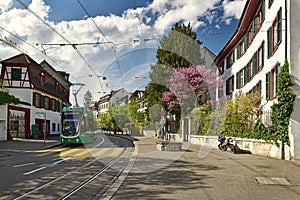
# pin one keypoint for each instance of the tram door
(17, 124)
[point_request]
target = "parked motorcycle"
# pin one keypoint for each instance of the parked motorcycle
(225, 143)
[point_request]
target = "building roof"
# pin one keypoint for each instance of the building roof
(246, 19)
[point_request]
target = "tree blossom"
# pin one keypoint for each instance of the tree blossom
(187, 84)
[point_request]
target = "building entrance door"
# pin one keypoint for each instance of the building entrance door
(17, 123)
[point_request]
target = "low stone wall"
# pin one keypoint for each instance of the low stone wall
(258, 147)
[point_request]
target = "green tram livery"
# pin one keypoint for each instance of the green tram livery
(78, 125)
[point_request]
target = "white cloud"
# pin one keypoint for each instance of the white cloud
(122, 30)
(233, 8)
(5, 5)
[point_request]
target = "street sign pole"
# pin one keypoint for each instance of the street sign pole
(45, 129)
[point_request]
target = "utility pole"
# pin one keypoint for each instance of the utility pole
(75, 92)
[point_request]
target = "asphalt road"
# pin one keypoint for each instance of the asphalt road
(62, 172)
(194, 173)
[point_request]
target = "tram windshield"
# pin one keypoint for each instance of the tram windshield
(70, 123)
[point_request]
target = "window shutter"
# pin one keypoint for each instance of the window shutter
(279, 26)
(263, 8)
(50, 103)
(254, 64)
(269, 42)
(277, 69)
(237, 81)
(43, 101)
(254, 26)
(34, 99)
(246, 75)
(232, 83)
(268, 86)
(263, 53)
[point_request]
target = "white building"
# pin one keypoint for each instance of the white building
(114, 98)
(268, 33)
(42, 91)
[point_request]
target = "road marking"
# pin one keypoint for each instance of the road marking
(50, 152)
(45, 166)
(101, 152)
(33, 171)
(82, 153)
(70, 151)
(23, 165)
(116, 152)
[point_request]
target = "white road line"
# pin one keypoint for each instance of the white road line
(33, 171)
(49, 165)
(23, 165)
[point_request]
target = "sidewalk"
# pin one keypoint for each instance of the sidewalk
(19, 145)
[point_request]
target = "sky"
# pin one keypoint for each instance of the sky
(115, 39)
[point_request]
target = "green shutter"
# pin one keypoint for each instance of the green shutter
(34, 99)
(277, 69)
(279, 26)
(237, 80)
(254, 64)
(263, 53)
(268, 86)
(269, 42)
(43, 101)
(50, 102)
(270, 3)
(254, 26)
(246, 77)
(232, 83)
(263, 8)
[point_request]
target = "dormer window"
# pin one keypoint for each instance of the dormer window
(16, 74)
(42, 78)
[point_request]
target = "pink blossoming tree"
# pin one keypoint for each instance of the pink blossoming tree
(187, 85)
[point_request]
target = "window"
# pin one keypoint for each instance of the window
(16, 74)
(220, 91)
(57, 126)
(42, 78)
(47, 103)
(229, 85)
(240, 79)
(221, 67)
(53, 127)
(250, 72)
(260, 57)
(36, 100)
(254, 64)
(230, 60)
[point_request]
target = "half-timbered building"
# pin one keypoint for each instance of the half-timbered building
(42, 91)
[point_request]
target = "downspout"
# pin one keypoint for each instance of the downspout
(286, 30)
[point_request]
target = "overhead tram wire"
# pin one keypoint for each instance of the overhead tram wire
(64, 38)
(33, 46)
(104, 36)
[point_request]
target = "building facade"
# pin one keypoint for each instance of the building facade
(114, 98)
(42, 91)
(267, 35)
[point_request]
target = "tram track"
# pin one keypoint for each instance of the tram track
(101, 172)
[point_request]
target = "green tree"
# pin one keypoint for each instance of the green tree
(6, 98)
(88, 99)
(134, 115)
(241, 115)
(282, 110)
(179, 49)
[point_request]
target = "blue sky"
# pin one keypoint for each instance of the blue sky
(133, 29)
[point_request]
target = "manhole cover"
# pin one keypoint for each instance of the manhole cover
(272, 181)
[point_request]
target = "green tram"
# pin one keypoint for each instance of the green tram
(78, 125)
